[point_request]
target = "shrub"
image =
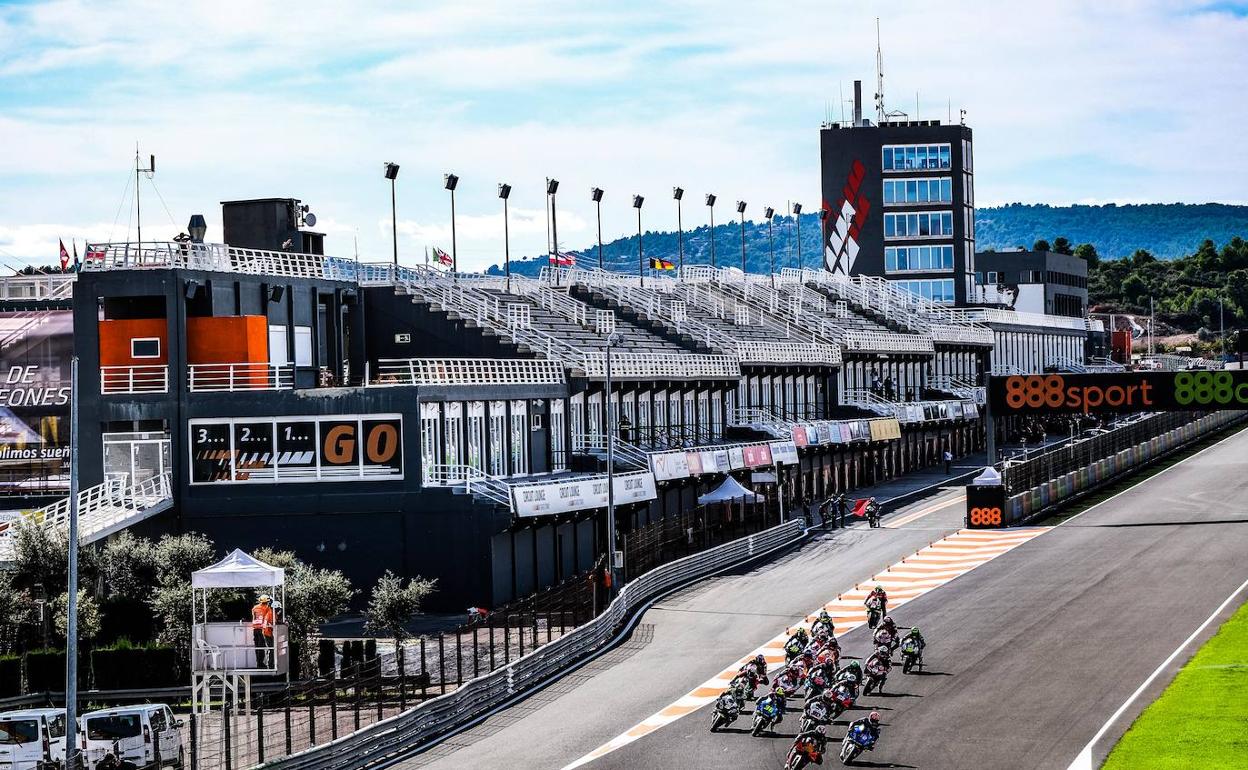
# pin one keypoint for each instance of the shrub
(124, 666)
(325, 654)
(10, 676)
(45, 671)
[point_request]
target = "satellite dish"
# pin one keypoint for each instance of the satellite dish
(310, 219)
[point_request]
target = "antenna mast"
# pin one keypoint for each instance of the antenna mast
(879, 74)
(139, 169)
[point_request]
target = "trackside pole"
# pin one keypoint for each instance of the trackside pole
(990, 428)
(71, 625)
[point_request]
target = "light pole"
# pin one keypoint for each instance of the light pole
(769, 213)
(595, 194)
(392, 173)
(71, 608)
(710, 202)
(797, 222)
(552, 187)
(641, 263)
(614, 339)
(449, 181)
(677, 194)
(504, 192)
(741, 212)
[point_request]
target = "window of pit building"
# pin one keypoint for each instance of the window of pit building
(902, 258)
(145, 347)
(926, 190)
(916, 157)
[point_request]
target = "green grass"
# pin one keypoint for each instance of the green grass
(1201, 720)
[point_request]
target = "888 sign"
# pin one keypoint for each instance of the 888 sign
(1040, 394)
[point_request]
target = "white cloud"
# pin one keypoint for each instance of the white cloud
(1118, 100)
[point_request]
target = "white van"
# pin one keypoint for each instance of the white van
(32, 739)
(145, 736)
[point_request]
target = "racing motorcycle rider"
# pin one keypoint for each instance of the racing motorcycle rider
(877, 601)
(850, 675)
(871, 723)
(777, 696)
(788, 680)
(823, 624)
(796, 644)
(886, 634)
(811, 743)
(753, 673)
(914, 636)
(878, 666)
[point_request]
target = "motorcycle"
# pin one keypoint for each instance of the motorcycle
(742, 686)
(911, 656)
(857, 740)
(766, 714)
(840, 699)
(817, 712)
(803, 753)
(726, 711)
(817, 681)
(874, 679)
(875, 613)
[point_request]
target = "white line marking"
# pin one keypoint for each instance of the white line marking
(1084, 760)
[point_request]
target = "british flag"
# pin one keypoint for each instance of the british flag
(845, 222)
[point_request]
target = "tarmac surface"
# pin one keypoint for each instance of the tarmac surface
(1028, 654)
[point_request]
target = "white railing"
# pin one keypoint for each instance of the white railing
(1007, 370)
(887, 342)
(761, 419)
(468, 371)
(239, 376)
(145, 378)
(47, 286)
(555, 300)
(866, 399)
(968, 334)
(102, 510)
(472, 480)
(1016, 317)
(676, 366)
(1102, 364)
(959, 386)
(1066, 364)
(217, 257)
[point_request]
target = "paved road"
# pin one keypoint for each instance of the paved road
(1030, 652)
(685, 639)
(1033, 651)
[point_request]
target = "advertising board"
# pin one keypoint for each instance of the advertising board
(1042, 394)
(35, 352)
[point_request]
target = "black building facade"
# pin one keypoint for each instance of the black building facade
(900, 205)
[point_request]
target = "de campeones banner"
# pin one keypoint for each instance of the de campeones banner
(1039, 394)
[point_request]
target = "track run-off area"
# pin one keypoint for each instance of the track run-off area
(1036, 637)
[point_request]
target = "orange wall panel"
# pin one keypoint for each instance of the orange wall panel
(115, 339)
(227, 340)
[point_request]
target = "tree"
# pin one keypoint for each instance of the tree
(313, 597)
(394, 605)
(1041, 245)
(1134, 289)
(88, 615)
(1062, 245)
(1142, 257)
(1087, 252)
(177, 556)
(127, 566)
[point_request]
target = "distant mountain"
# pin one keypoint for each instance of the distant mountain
(1168, 230)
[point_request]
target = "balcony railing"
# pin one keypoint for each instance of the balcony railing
(468, 371)
(887, 342)
(43, 287)
(143, 378)
(217, 257)
(241, 376)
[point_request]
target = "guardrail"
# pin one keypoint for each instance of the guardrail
(675, 366)
(885, 342)
(467, 371)
(406, 732)
(472, 480)
(239, 376)
(145, 378)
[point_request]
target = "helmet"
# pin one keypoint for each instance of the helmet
(881, 650)
(823, 614)
(855, 665)
(888, 620)
(874, 717)
(915, 630)
(879, 588)
(760, 660)
(265, 598)
(821, 729)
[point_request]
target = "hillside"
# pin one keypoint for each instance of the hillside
(1166, 230)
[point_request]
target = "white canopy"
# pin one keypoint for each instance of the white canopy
(729, 491)
(238, 570)
(989, 478)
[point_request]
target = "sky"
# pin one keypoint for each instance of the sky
(1070, 102)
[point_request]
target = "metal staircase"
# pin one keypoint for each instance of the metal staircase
(102, 510)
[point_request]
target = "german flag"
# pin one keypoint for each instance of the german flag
(661, 264)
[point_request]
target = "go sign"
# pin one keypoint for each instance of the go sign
(1041, 394)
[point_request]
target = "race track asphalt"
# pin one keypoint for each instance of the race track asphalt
(1028, 654)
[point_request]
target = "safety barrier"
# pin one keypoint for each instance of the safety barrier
(1024, 505)
(476, 698)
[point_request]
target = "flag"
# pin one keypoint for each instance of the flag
(442, 257)
(661, 264)
(1136, 330)
(564, 259)
(93, 253)
(64, 256)
(75, 245)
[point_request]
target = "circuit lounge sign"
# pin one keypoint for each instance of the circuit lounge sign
(1041, 394)
(581, 494)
